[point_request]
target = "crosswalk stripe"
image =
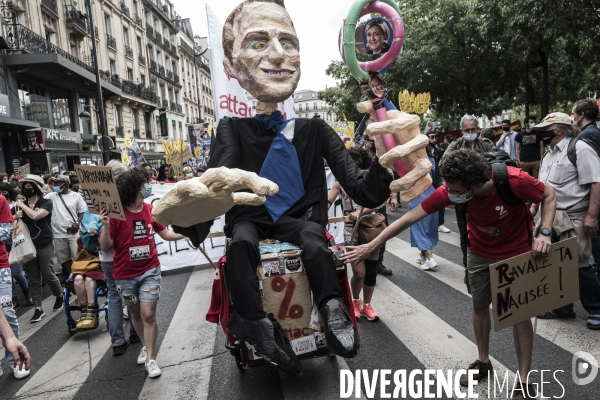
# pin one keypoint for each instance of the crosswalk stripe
(430, 339)
(185, 355)
(69, 367)
(572, 335)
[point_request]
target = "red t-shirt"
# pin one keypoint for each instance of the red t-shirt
(494, 229)
(5, 216)
(133, 243)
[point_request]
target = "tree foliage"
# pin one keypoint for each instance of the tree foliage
(471, 55)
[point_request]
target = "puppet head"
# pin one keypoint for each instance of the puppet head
(262, 49)
(375, 87)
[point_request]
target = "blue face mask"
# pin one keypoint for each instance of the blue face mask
(190, 176)
(147, 192)
(470, 137)
(460, 198)
(57, 189)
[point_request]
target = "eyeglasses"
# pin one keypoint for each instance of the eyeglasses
(471, 130)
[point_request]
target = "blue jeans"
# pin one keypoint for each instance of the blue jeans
(17, 273)
(589, 293)
(115, 308)
(7, 306)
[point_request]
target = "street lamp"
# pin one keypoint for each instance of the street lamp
(105, 141)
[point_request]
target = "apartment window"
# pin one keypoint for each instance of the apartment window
(126, 37)
(315, 105)
(107, 24)
(143, 79)
(299, 107)
(129, 74)
(117, 115)
(60, 113)
(148, 122)
(139, 45)
(113, 66)
(134, 119)
(135, 7)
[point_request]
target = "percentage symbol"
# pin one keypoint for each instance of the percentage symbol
(278, 284)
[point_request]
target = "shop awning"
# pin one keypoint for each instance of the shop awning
(16, 124)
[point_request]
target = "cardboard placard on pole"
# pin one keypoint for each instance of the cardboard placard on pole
(523, 286)
(100, 190)
(23, 171)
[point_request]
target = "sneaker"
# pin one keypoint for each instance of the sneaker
(27, 294)
(551, 315)
(420, 259)
(120, 350)
(480, 375)
(37, 316)
(368, 312)
(152, 368)
(357, 306)
(20, 373)
(429, 264)
(133, 337)
(142, 357)
(15, 303)
(443, 229)
(58, 304)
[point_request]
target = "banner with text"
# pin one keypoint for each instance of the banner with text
(100, 190)
(523, 286)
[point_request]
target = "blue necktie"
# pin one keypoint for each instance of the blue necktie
(282, 167)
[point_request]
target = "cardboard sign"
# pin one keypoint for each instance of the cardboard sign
(186, 155)
(100, 190)
(23, 171)
(523, 286)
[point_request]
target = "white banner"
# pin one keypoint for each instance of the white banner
(182, 254)
(230, 97)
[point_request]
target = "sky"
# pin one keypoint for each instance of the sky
(317, 23)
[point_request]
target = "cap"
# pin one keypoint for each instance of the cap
(554, 118)
(61, 179)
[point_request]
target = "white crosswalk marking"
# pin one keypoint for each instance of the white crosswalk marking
(185, 353)
(571, 335)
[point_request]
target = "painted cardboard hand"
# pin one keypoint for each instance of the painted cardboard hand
(213, 194)
(410, 148)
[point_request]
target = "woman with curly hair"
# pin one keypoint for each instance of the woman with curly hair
(497, 231)
(136, 267)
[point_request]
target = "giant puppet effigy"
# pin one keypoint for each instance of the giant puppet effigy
(266, 174)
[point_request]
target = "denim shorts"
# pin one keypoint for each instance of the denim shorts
(145, 287)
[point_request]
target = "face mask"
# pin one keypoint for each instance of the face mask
(531, 125)
(190, 176)
(575, 123)
(28, 192)
(57, 189)
(470, 137)
(147, 192)
(459, 199)
(5, 181)
(506, 128)
(547, 136)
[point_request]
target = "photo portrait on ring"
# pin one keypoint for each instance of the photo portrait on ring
(377, 36)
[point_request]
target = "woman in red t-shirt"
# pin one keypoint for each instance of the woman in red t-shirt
(136, 264)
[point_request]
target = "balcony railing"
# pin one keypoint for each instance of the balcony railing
(128, 51)
(105, 75)
(115, 80)
(206, 68)
(165, 103)
(50, 5)
(153, 66)
(136, 133)
(170, 74)
(129, 87)
(158, 37)
(138, 20)
(124, 9)
(166, 43)
(176, 78)
(149, 29)
(161, 69)
(89, 31)
(119, 130)
(142, 59)
(75, 19)
(111, 41)
(173, 107)
(179, 108)
(187, 47)
(173, 48)
(149, 95)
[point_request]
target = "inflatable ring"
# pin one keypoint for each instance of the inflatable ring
(390, 10)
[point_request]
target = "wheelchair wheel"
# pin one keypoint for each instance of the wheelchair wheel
(71, 327)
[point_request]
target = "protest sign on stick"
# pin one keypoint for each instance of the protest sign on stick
(523, 286)
(100, 190)
(23, 171)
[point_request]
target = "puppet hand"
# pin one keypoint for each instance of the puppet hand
(410, 148)
(203, 199)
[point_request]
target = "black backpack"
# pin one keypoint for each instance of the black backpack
(572, 154)
(499, 161)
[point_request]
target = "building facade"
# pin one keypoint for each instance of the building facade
(49, 79)
(308, 105)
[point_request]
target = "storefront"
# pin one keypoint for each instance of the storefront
(55, 151)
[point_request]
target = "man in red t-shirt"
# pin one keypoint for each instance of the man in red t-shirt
(496, 231)
(136, 267)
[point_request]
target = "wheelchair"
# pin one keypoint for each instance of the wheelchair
(101, 291)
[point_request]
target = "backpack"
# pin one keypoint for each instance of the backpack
(499, 161)
(572, 154)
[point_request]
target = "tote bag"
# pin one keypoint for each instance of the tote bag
(23, 249)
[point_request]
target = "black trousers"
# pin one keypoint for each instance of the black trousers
(461, 220)
(243, 257)
(382, 211)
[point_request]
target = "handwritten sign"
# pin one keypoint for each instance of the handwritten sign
(186, 155)
(523, 286)
(23, 171)
(100, 190)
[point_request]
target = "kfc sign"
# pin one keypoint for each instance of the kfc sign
(61, 136)
(33, 141)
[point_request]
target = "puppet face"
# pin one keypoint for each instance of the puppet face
(265, 54)
(378, 87)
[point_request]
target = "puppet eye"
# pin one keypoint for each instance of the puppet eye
(286, 45)
(257, 45)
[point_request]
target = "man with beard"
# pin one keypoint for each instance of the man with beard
(262, 53)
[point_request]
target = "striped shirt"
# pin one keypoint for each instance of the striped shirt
(570, 184)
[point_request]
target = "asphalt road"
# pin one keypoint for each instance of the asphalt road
(425, 324)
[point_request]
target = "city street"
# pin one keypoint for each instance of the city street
(425, 323)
